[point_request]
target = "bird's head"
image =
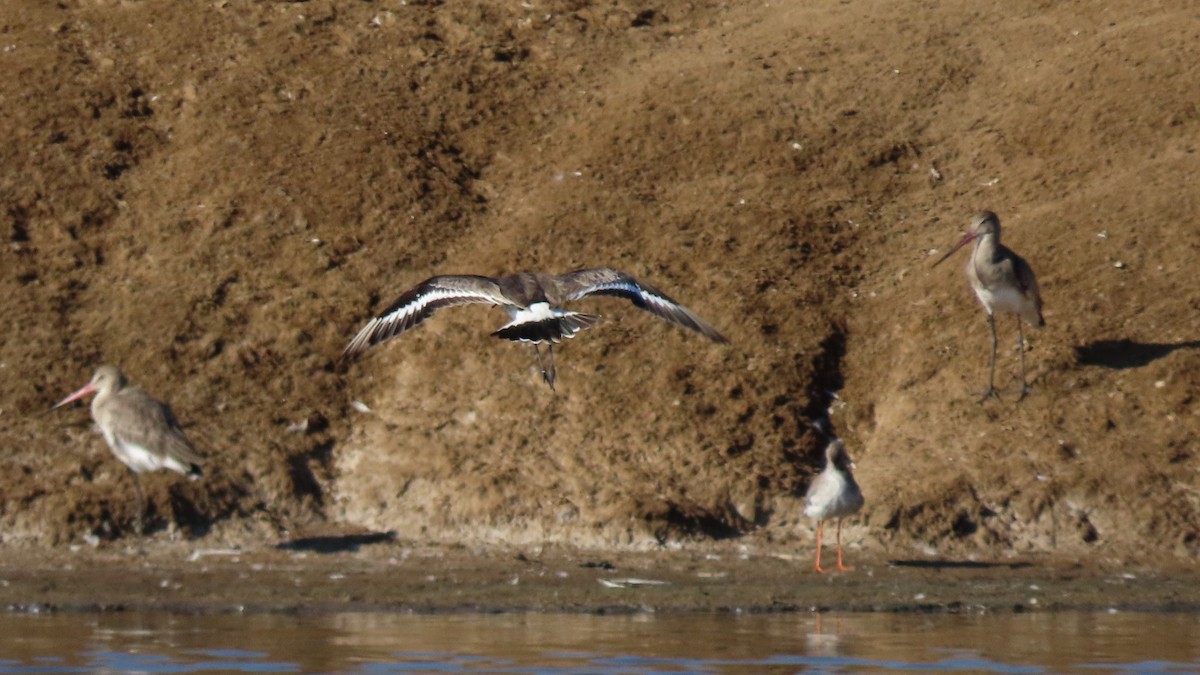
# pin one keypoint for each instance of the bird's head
(982, 224)
(106, 379)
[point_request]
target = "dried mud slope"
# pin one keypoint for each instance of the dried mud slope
(1076, 128)
(217, 196)
(876, 135)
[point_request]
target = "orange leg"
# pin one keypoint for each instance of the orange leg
(820, 526)
(840, 566)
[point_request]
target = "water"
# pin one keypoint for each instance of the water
(555, 643)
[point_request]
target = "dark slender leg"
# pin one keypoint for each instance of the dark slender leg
(141, 503)
(990, 392)
(1021, 351)
(820, 526)
(138, 524)
(547, 366)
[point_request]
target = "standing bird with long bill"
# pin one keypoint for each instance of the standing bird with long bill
(1003, 282)
(140, 429)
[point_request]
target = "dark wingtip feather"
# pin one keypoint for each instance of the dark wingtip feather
(688, 319)
(364, 340)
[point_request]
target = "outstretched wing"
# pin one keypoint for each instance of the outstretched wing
(420, 302)
(602, 281)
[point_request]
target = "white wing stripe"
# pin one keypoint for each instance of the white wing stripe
(618, 285)
(660, 302)
(649, 298)
(408, 315)
(421, 301)
(656, 304)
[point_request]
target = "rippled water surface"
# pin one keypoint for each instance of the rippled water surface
(555, 643)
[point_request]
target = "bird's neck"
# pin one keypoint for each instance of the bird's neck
(103, 396)
(98, 401)
(986, 249)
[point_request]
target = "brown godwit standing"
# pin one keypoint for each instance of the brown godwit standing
(140, 429)
(833, 493)
(534, 304)
(1003, 282)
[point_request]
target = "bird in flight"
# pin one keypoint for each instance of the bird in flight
(534, 302)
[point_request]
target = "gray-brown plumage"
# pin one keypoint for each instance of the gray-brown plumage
(534, 304)
(1003, 282)
(140, 429)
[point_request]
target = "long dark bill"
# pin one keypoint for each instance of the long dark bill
(87, 389)
(967, 238)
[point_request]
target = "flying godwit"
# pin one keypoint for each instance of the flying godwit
(833, 494)
(534, 304)
(140, 429)
(1003, 282)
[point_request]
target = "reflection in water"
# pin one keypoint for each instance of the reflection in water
(555, 643)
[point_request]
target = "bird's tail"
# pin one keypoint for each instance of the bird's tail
(550, 328)
(1034, 315)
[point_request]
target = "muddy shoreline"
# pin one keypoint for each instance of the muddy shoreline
(217, 196)
(405, 577)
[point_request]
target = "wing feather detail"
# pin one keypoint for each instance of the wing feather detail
(147, 422)
(603, 281)
(420, 302)
(1028, 284)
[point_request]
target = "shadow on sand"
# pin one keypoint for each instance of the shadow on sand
(336, 544)
(1121, 354)
(958, 564)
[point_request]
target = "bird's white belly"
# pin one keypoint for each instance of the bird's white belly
(839, 507)
(1003, 299)
(140, 460)
(835, 499)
